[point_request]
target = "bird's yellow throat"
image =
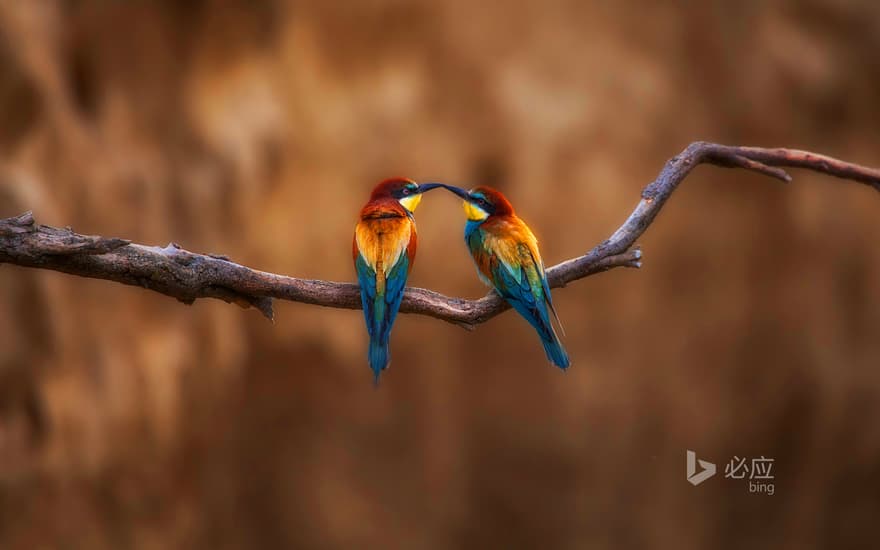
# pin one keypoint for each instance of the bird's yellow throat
(411, 202)
(473, 212)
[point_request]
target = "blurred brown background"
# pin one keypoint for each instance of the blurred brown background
(257, 129)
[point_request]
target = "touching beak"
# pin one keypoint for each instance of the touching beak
(456, 190)
(423, 187)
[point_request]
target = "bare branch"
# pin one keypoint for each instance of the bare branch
(187, 276)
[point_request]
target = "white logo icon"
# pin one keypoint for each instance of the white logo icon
(692, 476)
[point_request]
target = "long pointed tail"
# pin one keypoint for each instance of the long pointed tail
(538, 318)
(555, 352)
(378, 357)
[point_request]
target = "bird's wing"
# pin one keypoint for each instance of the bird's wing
(506, 255)
(384, 247)
(529, 255)
(531, 249)
(494, 244)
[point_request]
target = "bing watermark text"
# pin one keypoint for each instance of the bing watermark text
(758, 472)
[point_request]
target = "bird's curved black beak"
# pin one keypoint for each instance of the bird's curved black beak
(451, 188)
(423, 187)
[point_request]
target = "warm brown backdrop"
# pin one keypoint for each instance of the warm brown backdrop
(256, 129)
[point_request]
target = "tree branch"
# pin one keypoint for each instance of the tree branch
(187, 276)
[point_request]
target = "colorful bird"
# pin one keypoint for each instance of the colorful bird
(384, 248)
(506, 255)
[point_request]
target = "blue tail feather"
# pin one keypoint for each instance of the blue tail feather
(379, 332)
(556, 353)
(380, 309)
(378, 358)
(537, 316)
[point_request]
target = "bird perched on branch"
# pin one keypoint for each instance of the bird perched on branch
(384, 248)
(506, 255)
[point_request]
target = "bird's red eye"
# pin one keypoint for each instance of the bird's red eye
(405, 191)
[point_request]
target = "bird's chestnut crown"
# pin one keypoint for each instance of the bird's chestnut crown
(407, 192)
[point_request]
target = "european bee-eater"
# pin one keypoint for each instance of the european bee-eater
(506, 255)
(384, 248)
